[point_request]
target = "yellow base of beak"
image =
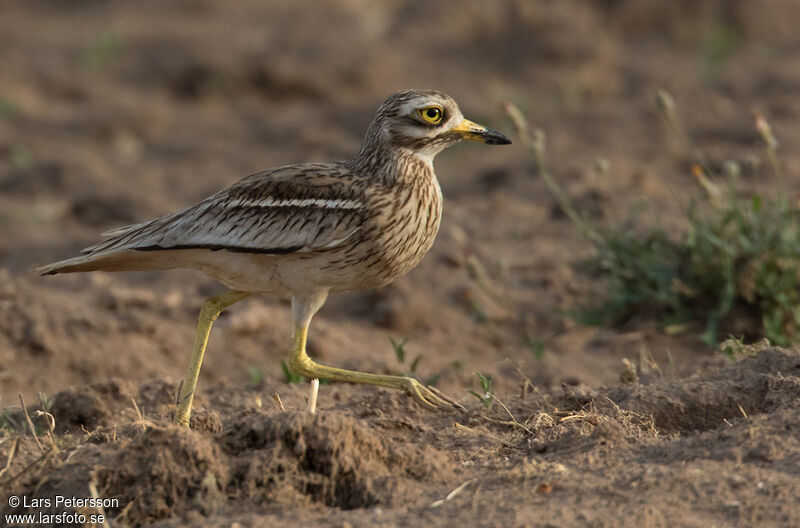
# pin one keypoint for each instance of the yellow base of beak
(475, 132)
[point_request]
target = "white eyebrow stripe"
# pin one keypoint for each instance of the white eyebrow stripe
(298, 202)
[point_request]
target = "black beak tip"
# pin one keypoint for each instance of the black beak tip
(496, 138)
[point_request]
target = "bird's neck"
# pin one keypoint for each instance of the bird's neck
(391, 164)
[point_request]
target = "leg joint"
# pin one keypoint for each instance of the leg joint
(300, 364)
(213, 306)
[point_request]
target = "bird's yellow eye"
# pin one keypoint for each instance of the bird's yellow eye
(431, 114)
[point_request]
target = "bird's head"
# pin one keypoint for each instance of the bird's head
(425, 122)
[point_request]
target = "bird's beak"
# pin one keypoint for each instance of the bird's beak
(475, 132)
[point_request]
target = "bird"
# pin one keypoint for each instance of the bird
(308, 230)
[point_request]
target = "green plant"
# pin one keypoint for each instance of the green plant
(8, 423)
(433, 379)
(21, 157)
(8, 108)
(4, 423)
(102, 50)
(721, 43)
(535, 344)
(399, 349)
(736, 349)
(256, 375)
(290, 376)
(398, 346)
(738, 257)
(537, 348)
(739, 253)
(400, 354)
(45, 402)
(487, 389)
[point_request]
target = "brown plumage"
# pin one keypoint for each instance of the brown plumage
(307, 230)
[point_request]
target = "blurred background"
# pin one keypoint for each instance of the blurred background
(117, 112)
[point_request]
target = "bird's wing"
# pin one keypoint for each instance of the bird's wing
(297, 208)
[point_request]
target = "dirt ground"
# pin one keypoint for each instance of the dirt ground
(117, 112)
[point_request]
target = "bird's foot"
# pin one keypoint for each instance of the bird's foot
(430, 397)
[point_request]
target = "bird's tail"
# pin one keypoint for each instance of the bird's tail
(110, 261)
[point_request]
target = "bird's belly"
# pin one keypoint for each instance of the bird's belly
(239, 271)
(286, 275)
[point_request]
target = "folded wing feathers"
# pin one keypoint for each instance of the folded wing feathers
(258, 213)
(118, 231)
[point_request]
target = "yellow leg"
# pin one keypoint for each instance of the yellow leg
(208, 314)
(302, 365)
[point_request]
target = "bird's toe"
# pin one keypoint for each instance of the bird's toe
(431, 398)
